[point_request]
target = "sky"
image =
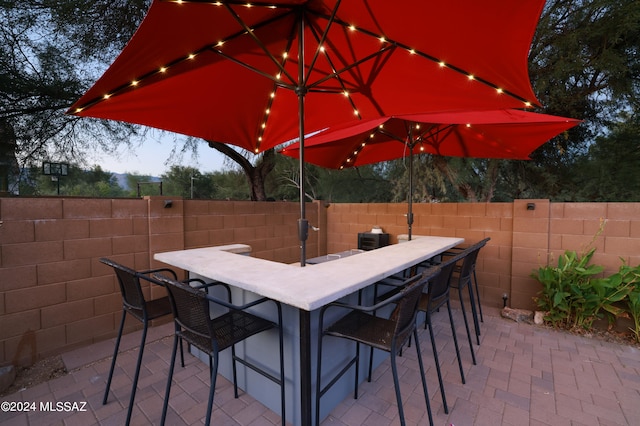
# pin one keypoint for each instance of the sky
(153, 158)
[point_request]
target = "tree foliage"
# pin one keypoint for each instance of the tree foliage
(43, 70)
(609, 170)
(584, 63)
(94, 182)
(256, 172)
(188, 182)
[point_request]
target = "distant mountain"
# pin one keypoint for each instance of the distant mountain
(121, 178)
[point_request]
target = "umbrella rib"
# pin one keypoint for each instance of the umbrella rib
(335, 74)
(322, 39)
(360, 144)
(254, 69)
(129, 85)
(468, 74)
(251, 34)
(350, 161)
(432, 138)
(353, 65)
(395, 137)
(276, 84)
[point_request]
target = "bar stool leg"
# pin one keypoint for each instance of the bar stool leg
(475, 280)
(474, 312)
(422, 375)
(396, 385)
(214, 376)
(113, 359)
(455, 342)
(466, 326)
(137, 373)
(437, 362)
(169, 378)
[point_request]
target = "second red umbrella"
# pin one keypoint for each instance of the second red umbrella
(506, 134)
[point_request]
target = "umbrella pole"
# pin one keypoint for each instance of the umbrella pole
(301, 91)
(410, 203)
(304, 317)
(303, 223)
(410, 213)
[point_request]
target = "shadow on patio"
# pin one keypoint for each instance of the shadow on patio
(525, 375)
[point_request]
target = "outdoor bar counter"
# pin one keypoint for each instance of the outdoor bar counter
(302, 291)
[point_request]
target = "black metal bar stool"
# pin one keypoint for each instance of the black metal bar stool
(193, 324)
(135, 304)
(464, 279)
(436, 296)
(390, 335)
(470, 280)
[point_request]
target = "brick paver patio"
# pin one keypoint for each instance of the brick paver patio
(525, 375)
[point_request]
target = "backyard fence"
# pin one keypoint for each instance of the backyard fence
(55, 295)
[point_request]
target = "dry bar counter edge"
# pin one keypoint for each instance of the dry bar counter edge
(309, 287)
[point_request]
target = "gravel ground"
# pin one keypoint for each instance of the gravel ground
(41, 371)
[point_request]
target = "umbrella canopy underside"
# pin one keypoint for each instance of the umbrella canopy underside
(226, 72)
(505, 134)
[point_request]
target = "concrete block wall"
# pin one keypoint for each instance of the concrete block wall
(525, 235)
(269, 228)
(531, 237)
(55, 292)
(56, 295)
(542, 235)
(471, 221)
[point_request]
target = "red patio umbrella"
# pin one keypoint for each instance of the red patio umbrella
(258, 74)
(506, 134)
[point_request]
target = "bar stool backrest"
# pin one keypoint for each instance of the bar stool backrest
(469, 257)
(130, 288)
(406, 309)
(439, 285)
(190, 310)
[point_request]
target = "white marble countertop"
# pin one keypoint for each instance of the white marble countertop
(309, 287)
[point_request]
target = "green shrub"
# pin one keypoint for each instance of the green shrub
(567, 294)
(630, 276)
(572, 296)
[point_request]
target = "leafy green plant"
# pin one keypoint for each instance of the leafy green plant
(633, 306)
(608, 293)
(573, 296)
(567, 293)
(630, 276)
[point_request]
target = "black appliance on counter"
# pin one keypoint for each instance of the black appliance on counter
(371, 240)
